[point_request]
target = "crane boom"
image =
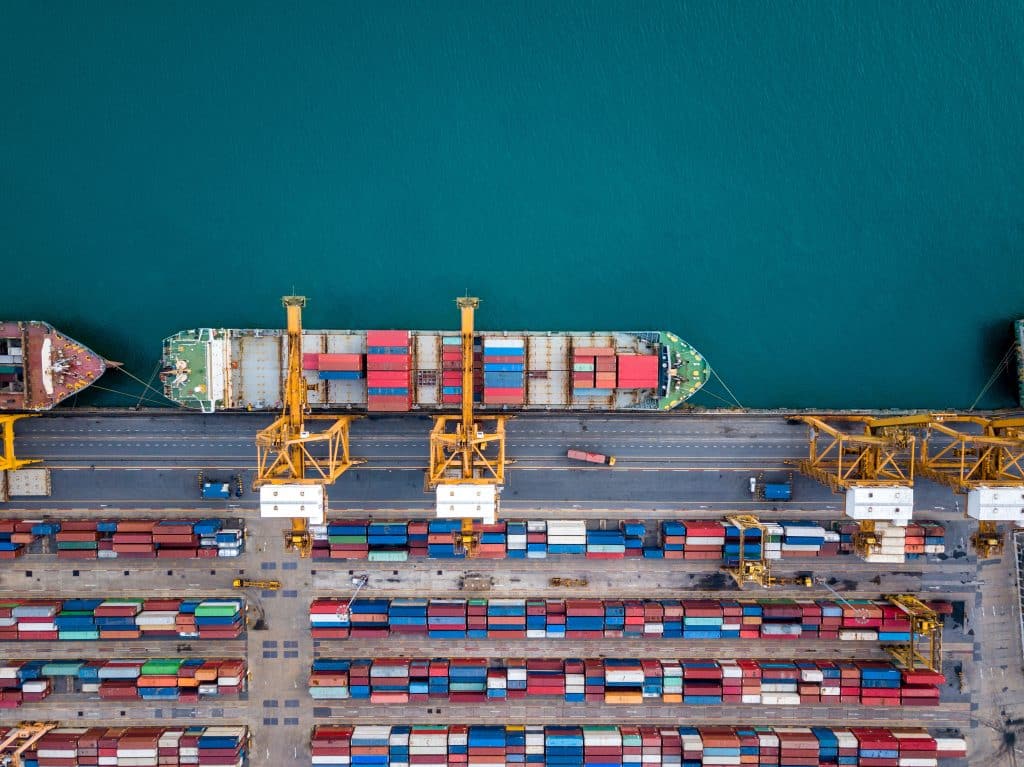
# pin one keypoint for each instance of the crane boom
(294, 463)
(467, 452)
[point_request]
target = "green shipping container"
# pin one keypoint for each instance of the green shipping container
(216, 611)
(583, 367)
(347, 538)
(75, 635)
(389, 556)
(161, 667)
(78, 545)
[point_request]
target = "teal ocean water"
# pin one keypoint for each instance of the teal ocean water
(823, 197)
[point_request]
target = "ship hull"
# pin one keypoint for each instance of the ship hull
(41, 367)
(399, 371)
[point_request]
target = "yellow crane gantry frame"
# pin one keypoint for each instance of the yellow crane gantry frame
(23, 735)
(8, 461)
(285, 449)
(924, 647)
(467, 449)
(757, 571)
(881, 455)
(966, 461)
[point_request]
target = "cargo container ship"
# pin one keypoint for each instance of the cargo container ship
(401, 370)
(40, 366)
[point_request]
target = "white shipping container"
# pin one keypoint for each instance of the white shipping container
(427, 739)
(32, 628)
(915, 762)
(780, 699)
(887, 559)
(751, 699)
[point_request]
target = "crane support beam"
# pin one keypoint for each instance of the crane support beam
(841, 460)
(8, 460)
(964, 461)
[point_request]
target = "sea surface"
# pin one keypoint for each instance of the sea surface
(824, 197)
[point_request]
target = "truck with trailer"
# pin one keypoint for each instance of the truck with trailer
(582, 455)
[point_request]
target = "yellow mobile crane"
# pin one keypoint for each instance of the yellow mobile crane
(924, 647)
(20, 739)
(290, 476)
(758, 570)
(875, 468)
(467, 452)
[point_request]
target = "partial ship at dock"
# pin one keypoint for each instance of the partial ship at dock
(402, 370)
(40, 366)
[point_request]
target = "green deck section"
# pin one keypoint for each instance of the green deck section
(688, 371)
(1018, 335)
(185, 353)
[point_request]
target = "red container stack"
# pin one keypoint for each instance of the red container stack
(388, 371)
(638, 371)
(593, 367)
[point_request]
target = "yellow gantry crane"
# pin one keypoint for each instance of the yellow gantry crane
(20, 738)
(758, 570)
(924, 648)
(8, 461)
(978, 457)
(467, 452)
(874, 466)
(293, 463)
(985, 464)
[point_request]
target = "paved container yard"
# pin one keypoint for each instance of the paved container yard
(683, 466)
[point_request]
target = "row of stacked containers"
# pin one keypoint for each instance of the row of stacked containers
(124, 539)
(139, 746)
(451, 370)
(504, 371)
(777, 619)
(388, 371)
(121, 618)
(185, 680)
(539, 539)
(575, 746)
(627, 681)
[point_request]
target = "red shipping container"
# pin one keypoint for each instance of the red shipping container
(593, 351)
(386, 362)
(387, 378)
(310, 360)
(339, 361)
(387, 337)
(638, 370)
(388, 404)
